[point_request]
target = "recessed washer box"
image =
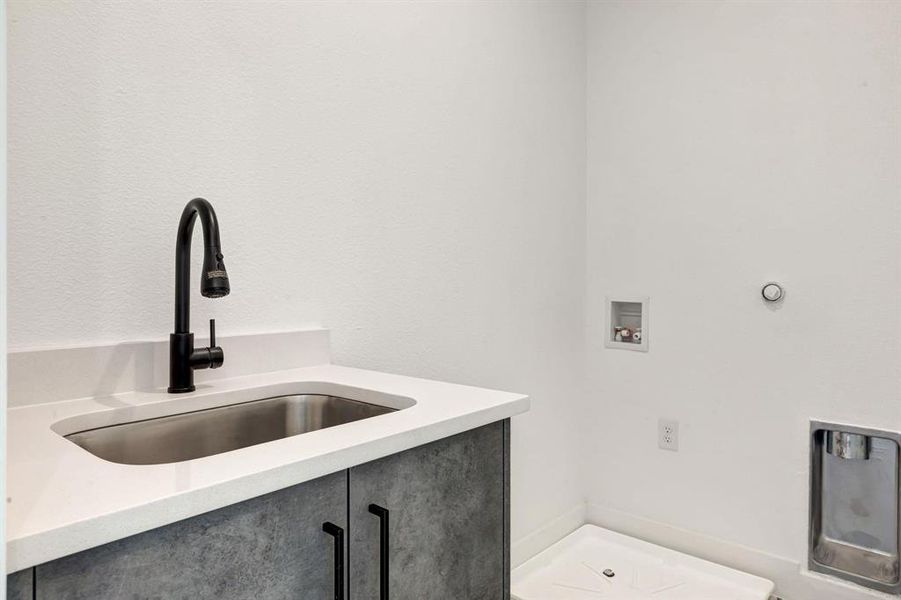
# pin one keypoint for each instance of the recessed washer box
(628, 323)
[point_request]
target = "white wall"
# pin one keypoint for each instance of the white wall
(410, 175)
(3, 181)
(730, 144)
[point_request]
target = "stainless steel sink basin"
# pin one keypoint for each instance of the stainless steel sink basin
(212, 431)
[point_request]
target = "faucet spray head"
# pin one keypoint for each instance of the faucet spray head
(213, 278)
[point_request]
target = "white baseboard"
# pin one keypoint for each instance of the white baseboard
(555, 530)
(792, 581)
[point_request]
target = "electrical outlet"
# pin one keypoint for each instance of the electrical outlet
(668, 435)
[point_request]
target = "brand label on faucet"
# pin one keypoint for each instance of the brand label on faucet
(214, 274)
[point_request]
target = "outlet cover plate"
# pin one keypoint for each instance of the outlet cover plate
(668, 435)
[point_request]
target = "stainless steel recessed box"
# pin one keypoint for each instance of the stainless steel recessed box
(855, 505)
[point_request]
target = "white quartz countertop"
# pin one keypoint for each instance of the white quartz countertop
(62, 499)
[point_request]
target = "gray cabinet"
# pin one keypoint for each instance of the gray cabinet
(268, 548)
(19, 586)
(447, 517)
(448, 532)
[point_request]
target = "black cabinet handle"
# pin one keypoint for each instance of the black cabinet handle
(338, 533)
(382, 514)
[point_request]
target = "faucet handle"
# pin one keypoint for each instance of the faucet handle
(217, 356)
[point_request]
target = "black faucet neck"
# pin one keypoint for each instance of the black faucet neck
(183, 358)
(212, 249)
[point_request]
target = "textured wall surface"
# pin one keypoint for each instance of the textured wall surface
(726, 148)
(409, 175)
(3, 292)
(412, 176)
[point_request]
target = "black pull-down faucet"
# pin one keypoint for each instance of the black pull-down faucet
(183, 357)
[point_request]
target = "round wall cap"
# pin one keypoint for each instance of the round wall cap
(772, 292)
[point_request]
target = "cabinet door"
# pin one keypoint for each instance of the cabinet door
(268, 548)
(19, 585)
(447, 517)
